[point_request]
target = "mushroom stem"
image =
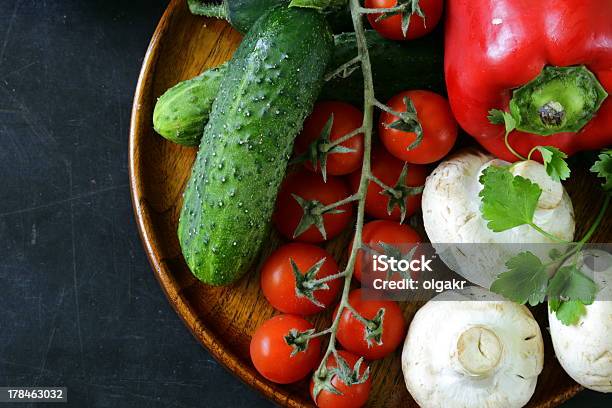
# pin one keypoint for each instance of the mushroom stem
(479, 351)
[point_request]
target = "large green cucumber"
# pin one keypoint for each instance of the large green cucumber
(270, 87)
(397, 66)
(182, 112)
(242, 14)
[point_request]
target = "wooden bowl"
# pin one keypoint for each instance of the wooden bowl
(223, 319)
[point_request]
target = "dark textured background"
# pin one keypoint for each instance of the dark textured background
(79, 306)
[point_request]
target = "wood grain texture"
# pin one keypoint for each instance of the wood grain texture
(223, 319)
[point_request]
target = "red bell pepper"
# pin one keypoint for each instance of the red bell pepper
(507, 55)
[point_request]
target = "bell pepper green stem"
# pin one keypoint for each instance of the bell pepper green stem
(559, 100)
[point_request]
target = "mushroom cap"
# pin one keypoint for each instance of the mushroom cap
(585, 349)
(451, 215)
(471, 348)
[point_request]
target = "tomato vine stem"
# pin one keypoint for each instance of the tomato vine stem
(343, 139)
(385, 108)
(343, 69)
(349, 199)
(366, 322)
(319, 334)
(329, 278)
(368, 117)
(364, 10)
(379, 182)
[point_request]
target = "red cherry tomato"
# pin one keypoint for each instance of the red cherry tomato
(278, 279)
(351, 396)
(271, 354)
(310, 187)
(374, 233)
(436, 119)
(391, 27)
(352, 333)
(388, 170)
(346, 118)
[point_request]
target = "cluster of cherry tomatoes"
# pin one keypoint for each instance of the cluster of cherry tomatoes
(300, 278)
(285, 361)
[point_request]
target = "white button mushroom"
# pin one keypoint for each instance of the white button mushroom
(585, 349)
(451, 215)
(471, 348)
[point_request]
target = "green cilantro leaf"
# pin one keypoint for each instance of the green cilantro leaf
(570, 284)
(496, 116)
(603, 169)
(525, 281)
(554, 162)
(499, 117)
(507, 201)
(570, 312)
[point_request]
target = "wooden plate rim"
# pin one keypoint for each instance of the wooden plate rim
(196, 326)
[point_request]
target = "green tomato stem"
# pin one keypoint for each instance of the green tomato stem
(385, 108)
(379, 182)
(327, 147)
(342, 68)
(396, 9)
(319, 334)
(328, 278)
(358, 316)
(349, 199)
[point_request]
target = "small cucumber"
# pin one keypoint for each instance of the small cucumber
(396, 67)
(242, 14)
(182, 111)
(270, 87)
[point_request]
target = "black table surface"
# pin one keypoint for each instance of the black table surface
(79, 305)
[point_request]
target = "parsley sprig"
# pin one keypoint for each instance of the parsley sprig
(554, 162)
(510, 201)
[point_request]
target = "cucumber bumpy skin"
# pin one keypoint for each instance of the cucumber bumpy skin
(271, 85)
(182, 111)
